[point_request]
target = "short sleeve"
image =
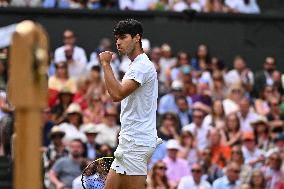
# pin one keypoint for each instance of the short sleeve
(58, 165)
(136, 75)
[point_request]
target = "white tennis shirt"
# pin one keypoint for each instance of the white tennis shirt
(138, 110)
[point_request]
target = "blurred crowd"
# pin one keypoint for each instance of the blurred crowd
(222, 126)
(220, 6)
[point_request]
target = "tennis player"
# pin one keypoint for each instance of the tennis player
(138, 94)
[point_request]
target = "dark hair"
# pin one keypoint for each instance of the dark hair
(96, 68)
(129, 26)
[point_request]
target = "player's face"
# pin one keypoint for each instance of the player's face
(125, 44)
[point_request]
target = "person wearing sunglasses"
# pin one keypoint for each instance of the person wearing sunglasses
(194, 181)
(158, 179)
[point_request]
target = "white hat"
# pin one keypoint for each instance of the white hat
(90, 128)
(177, 85)
(74, 108)
(173, 144)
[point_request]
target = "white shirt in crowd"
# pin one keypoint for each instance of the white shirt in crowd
(107, 135)
(71, 133)
(78, 67)
(252, 155)
(182, 5)
(136, 4)
(165, 63)
(233, 77)
(187, 182)
(245, 122)
(138, 110)
(200, 133)
(240, 6)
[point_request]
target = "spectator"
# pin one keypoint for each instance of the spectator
(274, 116)
(31, 3)
(158, 179)
(210, 169)
(47, 126)
(277, 85)
(82, 96)
(198, 129)
(109, 129)
(188, 150)
(238, 157)
(159, 154)
(221, 153)
(135, 4)
(168, 101)
(264, 77)
(261, 129)
(243, 6)
(187, 4)
(235, 94)
(261, 103)
(218, 88)
(272, 172)
(184, 112)
(66, 169)
(252, 155)
(217, 117)
(91, 148)
(195, 181)
(169, 127)
(72, 125)
(95, 111)
(240, 75)
(257, 180)
(74, 56)
(230, 180)
(203, 94)
(215, 6)
(232, 132)
(202, 57)
(278, 145)
(246, 115)
(177, 167)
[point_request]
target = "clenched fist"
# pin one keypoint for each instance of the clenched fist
(105, 57)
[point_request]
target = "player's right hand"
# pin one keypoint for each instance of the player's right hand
(105, 56)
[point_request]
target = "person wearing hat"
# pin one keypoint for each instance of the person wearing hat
(177, 167)
(60, 80)
(54, 151)
(91, 147)
(261, 128)
(166, 61)
(72, 125)
(252, 154)
(109, 128)
(278, 141)
(168, 102)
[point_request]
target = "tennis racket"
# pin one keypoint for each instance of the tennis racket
(95, 174)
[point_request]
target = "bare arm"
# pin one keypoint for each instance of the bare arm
(54, 180)
(118, 91)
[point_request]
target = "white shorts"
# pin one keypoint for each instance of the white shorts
(131, 159)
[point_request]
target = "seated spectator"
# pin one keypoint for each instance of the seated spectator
(182, 5)
(261, 128)
(95, 111)
(158, 179)
(135, 4)
(240, 75)
(230, 180)
(54, 151)
(272, 171)
(82, 96)
(160, 5)
(109, 129)
(169, 127)
(218, 89)
(216, 6)
(243, 6)
(257, 180)
(167, 102)
(198, 129)
(60, 81)
(74, 56)
(274, 116)
(246, 115)
(221, 153)
(184, 112)
(177, 167)
(194, 181)
(66, 169)
(73, 123)
(20, 3)
(238, 157)
(91, 148)
(203, 94)
(188, 150)
(59, 109)
(252, 155)
(201, 58)
(232, 132)
(63, 4)
(231, 103)
(277, 83)
(211, 170)
(217, 117)
(261, 103)
(278, 141)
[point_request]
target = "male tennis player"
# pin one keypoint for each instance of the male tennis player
(138, 94)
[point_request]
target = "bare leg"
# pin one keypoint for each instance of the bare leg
(131, 182)
(113, 180)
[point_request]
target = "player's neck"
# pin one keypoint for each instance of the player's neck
(135, 53)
